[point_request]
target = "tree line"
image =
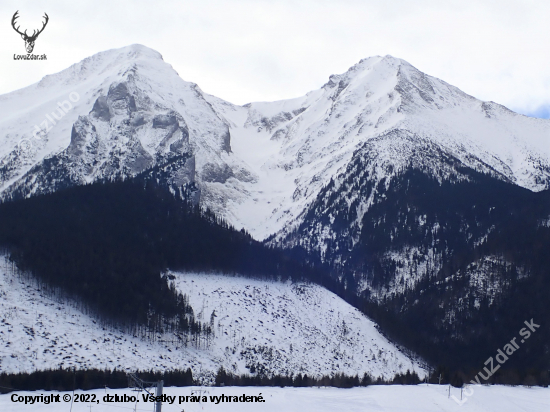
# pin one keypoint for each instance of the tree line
(68, 379)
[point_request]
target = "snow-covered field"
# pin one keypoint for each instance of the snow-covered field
(421, 398)
(286, 328)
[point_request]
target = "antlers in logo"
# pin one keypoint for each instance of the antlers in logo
(29, 40)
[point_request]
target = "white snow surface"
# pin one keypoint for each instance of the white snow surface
(261, 165)
(286, 328)
(297, 146)
(419, 398)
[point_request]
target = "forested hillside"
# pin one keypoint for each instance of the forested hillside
(108, 244)
(451, 268)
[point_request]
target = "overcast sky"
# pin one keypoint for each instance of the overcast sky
(251, 50)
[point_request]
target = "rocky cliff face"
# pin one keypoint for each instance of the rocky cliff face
(124, 112)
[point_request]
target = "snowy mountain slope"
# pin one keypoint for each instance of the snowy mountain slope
(297, 146)
(411, 204)
(130, 111)
(456, 258)
(295, 328)
(274, 327)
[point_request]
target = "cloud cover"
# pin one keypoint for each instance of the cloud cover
(254, 50)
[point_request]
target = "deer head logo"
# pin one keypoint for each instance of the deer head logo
(29, 40)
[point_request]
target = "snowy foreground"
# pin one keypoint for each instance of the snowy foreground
(422, 398)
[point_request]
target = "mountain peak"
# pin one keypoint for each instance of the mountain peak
(104, 63)
(377, 72)
(397, 77)
(131, 52)
(387, 63)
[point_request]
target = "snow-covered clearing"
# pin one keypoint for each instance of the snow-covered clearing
(281, 328)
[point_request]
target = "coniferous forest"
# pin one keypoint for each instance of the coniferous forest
(479, 257)
(109, 244)
(68, 379)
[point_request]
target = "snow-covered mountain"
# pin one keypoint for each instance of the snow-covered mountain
(259, 326)
(418, 197)
(260, 165)
(424, 201)
(115, 114)
(393, 110)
